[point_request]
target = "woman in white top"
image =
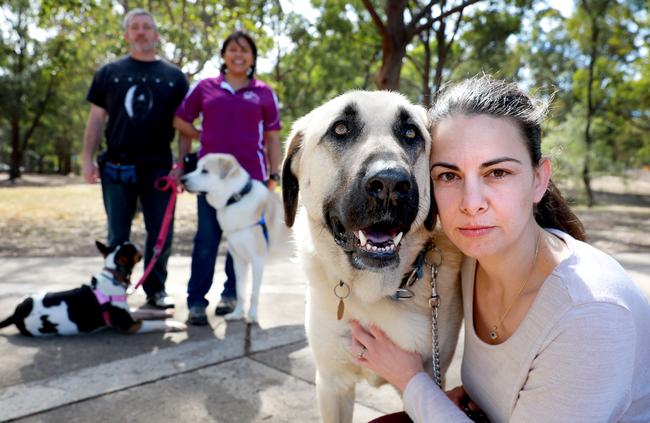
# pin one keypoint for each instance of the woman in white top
(555, 331)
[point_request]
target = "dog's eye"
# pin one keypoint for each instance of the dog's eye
(340, 128)
(204, 171)
(410, 133)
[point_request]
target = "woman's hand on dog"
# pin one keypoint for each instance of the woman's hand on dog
(383, 357)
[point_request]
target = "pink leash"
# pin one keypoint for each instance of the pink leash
(163, 183)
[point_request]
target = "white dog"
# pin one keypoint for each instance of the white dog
(360, 166)
(249, 215)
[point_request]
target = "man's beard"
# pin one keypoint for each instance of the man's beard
(143, 46)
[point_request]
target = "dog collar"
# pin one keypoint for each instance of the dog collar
(121, 274)
(238, 195)
(403, 292)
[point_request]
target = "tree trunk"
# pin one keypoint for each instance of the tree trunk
(586, 174)
(396, 34)
(391, 67)
(593, 56)
(395, 37)
(442, 49)
(66, 168)
(17, 154)
(426, 69)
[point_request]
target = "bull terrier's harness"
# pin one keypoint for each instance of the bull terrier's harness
(107, 299)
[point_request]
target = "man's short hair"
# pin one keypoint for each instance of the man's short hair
(138, 12)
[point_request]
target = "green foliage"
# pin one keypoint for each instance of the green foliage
(559, 144)
(486, 44)
(338, 53)
(55, 46)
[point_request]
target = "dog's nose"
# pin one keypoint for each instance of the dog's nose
(389, 184)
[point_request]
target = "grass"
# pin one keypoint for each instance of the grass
(65, 221)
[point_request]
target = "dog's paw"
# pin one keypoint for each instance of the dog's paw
(235, 315)
(251, 317)
(174, 326)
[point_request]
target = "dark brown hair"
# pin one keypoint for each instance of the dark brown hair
(234, 37)
(484, 95)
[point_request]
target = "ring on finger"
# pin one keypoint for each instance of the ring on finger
(362, 352)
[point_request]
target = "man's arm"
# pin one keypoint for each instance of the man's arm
(92, 138)
(273, 151)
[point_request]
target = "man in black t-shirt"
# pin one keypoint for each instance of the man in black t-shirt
(133, 101)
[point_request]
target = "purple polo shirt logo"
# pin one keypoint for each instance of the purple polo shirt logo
(252, 97)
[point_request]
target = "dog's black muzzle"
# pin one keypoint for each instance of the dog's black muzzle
(369, 220)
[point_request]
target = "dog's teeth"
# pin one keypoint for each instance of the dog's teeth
(362, 239)
(398, 238)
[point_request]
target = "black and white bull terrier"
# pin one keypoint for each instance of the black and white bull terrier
(90, 308)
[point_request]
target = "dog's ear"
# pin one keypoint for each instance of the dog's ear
(430, 220)
(128, 255)
(102, 248)
(290, 186)
(226, 165)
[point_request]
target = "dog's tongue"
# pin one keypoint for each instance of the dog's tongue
(377, 237)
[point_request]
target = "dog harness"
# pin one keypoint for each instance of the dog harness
(265, 230)
(105, 299)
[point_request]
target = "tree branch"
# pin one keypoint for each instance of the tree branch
(453, 35)
(39, 112)
(376, 18)
(418, 66)
(426, 11)
(441, 16)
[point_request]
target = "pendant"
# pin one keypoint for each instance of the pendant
(494, 334)
(341, 290)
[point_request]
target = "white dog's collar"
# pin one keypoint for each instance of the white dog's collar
(238, 195)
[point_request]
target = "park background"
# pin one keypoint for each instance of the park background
(591, 57)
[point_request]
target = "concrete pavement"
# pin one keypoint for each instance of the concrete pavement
(226, 372)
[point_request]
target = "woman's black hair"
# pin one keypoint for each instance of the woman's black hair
(235, 37)
(484, 95)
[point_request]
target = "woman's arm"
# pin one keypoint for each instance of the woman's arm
(273, 151)
(585, 372)
(186, 128)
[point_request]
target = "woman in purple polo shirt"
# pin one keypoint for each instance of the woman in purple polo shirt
(240, 116)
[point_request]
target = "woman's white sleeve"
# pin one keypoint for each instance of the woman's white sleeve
(584, 372)
(424, 402)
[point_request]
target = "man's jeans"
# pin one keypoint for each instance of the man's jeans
(120, 201)
(204, 257)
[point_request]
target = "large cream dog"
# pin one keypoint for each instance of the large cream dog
(360, 166)
(250, 217)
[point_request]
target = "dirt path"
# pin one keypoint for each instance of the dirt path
(56, 216)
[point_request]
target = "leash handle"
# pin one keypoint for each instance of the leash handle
(164, 183)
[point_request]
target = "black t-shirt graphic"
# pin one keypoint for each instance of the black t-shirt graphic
(140, 98)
